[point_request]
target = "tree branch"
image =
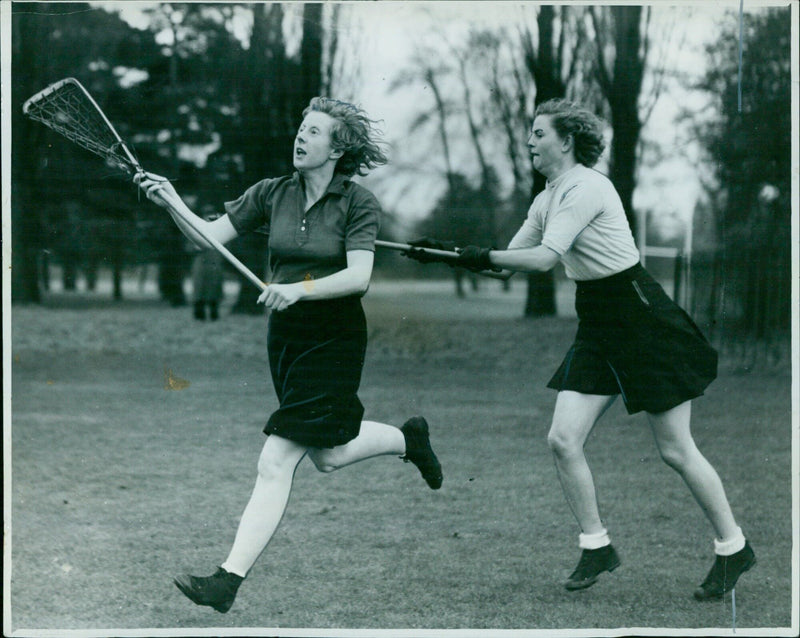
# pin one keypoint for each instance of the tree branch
(603, 75)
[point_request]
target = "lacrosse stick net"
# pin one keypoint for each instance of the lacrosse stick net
(67, 108)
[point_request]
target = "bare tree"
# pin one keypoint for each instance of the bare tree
(276, 87)
(552, 59)
(47, 171)
(423, 71)
(342, 56)
(444, 220)
(623, 43)
(509, 91)
(330, 48)
(311, 49)
(476, 44)
(746, 138)
(495, 79)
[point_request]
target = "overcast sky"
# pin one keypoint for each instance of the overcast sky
(394, 27)
(382, 35)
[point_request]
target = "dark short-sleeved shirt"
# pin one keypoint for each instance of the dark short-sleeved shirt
(305, 245)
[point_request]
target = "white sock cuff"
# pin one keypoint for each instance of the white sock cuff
(726, 548)
(232, 570)
(594, 541)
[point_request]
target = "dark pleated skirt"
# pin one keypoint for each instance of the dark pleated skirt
(316, 354)
(633, 340)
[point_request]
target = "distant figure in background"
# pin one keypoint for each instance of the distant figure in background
(632, 340)
(207, 277)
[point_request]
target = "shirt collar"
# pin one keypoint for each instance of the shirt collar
(336, 187)
(552, 184)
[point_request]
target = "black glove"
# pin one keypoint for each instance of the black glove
(424, 256)
(476, 259)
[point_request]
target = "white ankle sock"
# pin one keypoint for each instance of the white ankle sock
(231, 570)
(729, 547)
(594, 541)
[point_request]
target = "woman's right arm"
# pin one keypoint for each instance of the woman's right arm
(162, 193)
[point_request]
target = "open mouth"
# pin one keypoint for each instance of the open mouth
(299, 152)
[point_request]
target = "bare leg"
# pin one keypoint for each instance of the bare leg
(276, 466)
(374, 439)
(573, 419)
(678, 450)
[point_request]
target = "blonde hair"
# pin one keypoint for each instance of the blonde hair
(353, 133)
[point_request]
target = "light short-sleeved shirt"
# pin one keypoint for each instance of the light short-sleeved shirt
(579, 215)
(305, 245)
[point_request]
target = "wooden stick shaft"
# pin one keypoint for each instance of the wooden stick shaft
(396, 246)
(222, 250)
(392, 245)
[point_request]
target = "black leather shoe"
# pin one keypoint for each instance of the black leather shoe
(593, 562)
(217, 591)
(725, 572)
(420, 453)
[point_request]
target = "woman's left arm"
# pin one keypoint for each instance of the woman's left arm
(352, 280)
(537, 259)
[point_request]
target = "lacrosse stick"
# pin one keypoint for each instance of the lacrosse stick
(391, 245)
(67, 108)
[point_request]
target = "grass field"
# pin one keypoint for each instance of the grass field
(135, 436)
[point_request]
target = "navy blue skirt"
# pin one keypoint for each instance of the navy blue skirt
(633, 340)
(316, 355)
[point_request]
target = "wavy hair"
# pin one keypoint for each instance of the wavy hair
(570, 118)
(354, 133)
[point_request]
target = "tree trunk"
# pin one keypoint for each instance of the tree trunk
(273, 108)
(541, 301)
(545, 67)
(26, 240)
(172, 267)
(69, 272)
(311, 50)
(624, 102)
(117, 278)
(264, 105)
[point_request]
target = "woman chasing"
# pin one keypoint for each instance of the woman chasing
(632, 341)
